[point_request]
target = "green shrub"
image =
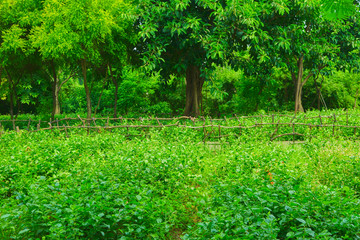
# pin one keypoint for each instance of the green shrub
(171, 185)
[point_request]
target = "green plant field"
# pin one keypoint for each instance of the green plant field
(337, 124)
(171, 186)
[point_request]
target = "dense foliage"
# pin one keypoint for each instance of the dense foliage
(293, 177)
(207, 57)
(104, 186)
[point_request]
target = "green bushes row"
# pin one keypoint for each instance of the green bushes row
(103, 186)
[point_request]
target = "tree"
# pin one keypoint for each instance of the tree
(175, 35)
(16, 21)
(78, 32)
(46, 39)
(118, 50)
(243, 29)
(187, 36)
(304, 43)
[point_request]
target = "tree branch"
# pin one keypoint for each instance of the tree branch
(19, 78)
(47, 73)
(307, 78)
(71, 75)
(311, 74)
(290, 69)
(111, 74)
(1, 71)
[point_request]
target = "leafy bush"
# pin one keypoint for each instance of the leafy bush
(170, 186)
(341, 89)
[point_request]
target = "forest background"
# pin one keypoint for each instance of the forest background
(180, 57)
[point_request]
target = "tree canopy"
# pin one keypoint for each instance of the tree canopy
(339, 9)
(53, 47)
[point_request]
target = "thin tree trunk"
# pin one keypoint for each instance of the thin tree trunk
(99, 101)
(286, 94)
(56, 90)
(114, 80)
(116, 98)
(57, 102)
(299, 83)
(257, 102)
(87, 91)
(319, 99)
(102, 91)
(318, 91)
(298, 86)
(194, 84)
(19, 109)
(11, 94)
(57, 85)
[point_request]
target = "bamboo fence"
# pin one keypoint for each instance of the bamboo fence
(271, 125)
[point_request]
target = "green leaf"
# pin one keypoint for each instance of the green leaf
(24, 231)
(301, 220)
(337, 9)
(5, 216)
(310, 232)
(290, 234)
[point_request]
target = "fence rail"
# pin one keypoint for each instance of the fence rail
(271, 125)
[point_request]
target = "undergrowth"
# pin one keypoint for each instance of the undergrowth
(105, 186)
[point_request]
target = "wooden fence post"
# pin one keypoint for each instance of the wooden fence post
(204, 131)
(50, 124)
(108, 124)
(66, 133)
(39, 125)
(13, 123)
(219, 131)
(355, 132)
(28, 126)
(67, 122)
(293, 125)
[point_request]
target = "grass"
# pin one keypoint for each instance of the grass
(167, 186)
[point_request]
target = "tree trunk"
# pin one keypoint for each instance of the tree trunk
(116, 98)
(299, 85)
(318, 92)
(56, 106)
(300, 82)
(286, 94)
(18, 103)
(102, 91)
(194, 84)
(114, 80)
(258, 96)
(11, 94)
(56, 90)
(87, 91)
